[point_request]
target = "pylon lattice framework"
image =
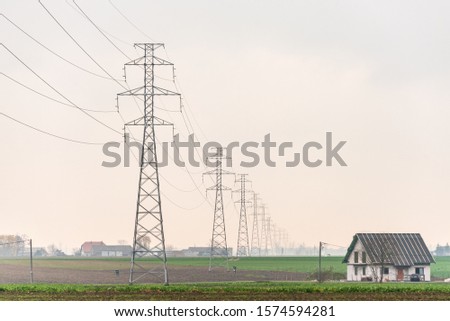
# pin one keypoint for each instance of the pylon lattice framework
(255, 246)
(263, 231)
(269, 236)
(219, 250)
(148, 239)
(242, 248)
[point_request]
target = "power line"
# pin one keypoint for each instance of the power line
(79, 46)
(51, 51)
(48, 133)
(129, 21)
(325, 243)
(99, 30)
(53, 99)
(59, 93)
(108, 33)
(182, 207)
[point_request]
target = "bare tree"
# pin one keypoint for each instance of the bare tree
(145, 241)
(382, 258)
(12, 245)
(51, 249)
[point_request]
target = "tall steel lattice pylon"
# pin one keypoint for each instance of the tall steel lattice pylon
(255, 246)
(263, 231)
(269, 236)
(219, 250)
(148, 239)
(242, 241)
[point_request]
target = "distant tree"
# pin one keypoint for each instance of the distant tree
(12, 245)
(59, 252)
(40, 252)
(145, 241)
(76, 251)
(51, 249)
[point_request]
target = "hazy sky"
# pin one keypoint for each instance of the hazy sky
(375, 74)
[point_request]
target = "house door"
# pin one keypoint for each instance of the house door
(400, 274)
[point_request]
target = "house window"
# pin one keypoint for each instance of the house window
(356, 257)
(420, 270)
(363, 270)
(364, 257)
(356, 270)
(385, 270)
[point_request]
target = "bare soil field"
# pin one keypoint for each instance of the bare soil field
(19, 274)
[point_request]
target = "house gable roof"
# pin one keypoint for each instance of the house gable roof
(399, 249)
(86, 247)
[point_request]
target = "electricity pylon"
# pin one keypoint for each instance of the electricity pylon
(255, 249)
(219, 250)
(263, 231)
(269, 235)
(242, 248)
(148, 239)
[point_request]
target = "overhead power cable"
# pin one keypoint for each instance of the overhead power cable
(48, 133)
(99, 30)
(58, 92)
(79, 46)
(106, 32)
(182, 207)
(53, 99)
(129, 21)
(52, 51)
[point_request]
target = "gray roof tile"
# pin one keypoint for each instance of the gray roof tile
(399, 249)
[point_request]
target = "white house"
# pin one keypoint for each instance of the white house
(392, 256)
(101, 249)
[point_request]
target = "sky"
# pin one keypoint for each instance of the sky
(374, 74)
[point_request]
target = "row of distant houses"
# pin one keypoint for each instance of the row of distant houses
(99, 248)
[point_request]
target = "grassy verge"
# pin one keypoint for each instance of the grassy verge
(230, 291)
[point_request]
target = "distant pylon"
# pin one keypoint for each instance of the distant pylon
(242, 241)
(148, 239)
(255, 248)
(263, 241)
(269, 236)
(219, 250)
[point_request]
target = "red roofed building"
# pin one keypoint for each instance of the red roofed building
(87, 248)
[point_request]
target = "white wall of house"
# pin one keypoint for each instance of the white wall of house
(112, 253)
(425, 269)
(357, 271)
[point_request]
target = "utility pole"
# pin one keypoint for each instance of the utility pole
(242, 241)
(219, 250)
(256, 249)
(148, 239)
(31, 261)
(319, 274)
